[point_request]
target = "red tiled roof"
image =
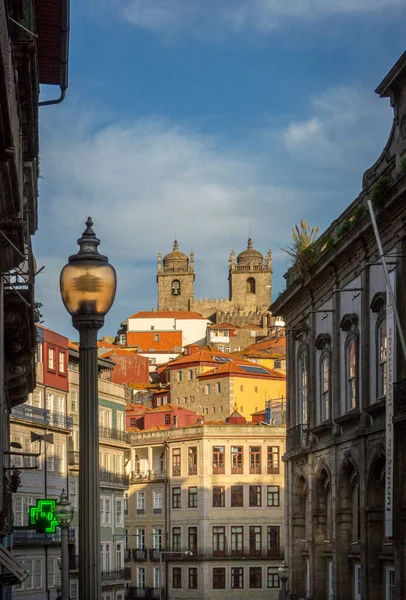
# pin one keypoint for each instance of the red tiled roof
(234, 368)
(202, 356)
(223, 325)
(251, 326)
(119, 352)
(165, 314)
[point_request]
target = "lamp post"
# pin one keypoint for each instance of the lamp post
(161, 553)
(64, 514)
(283, 572)
(88, 287)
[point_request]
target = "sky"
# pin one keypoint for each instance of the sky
(208, 120)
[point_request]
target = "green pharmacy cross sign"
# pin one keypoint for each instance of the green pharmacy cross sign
(42, 516)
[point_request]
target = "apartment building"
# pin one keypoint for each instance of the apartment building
(114, 446)
(42, 426)
(205, 511)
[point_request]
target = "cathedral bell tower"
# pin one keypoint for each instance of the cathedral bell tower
(175, 279)
(250, 280)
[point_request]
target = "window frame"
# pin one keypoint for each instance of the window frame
(272, 577)
(273, 495)
(302, 385)
(176, 462)
(192, 497)
(237, 540)
(255, 496)
(351, 381)
(218, 460)
(381, 366)
(219, 578)
(237, 460)
(255, 464)
(325, 394)
(177, 578)
(251, 576)
(237, 496)
(273, 533)
(176, 539)
(193, 578)
(239, 576)
(272, 468)
(192, 539)
(219, 540)
(255, 540)
(192, 460)
(219, 492)
(176, 497)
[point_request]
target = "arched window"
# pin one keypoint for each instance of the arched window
(175, 288)
(325, 387)
(302, 395)
(381, 354)
(351, 367)
(250, 285)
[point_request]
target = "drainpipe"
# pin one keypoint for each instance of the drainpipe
(167, 519)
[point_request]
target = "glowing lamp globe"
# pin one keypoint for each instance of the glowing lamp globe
(64, 511)
(88, 282)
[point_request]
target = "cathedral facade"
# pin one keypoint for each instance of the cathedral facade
(250, 287)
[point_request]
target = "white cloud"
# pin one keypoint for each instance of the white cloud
(236, 15)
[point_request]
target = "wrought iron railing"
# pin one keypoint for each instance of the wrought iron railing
(111, 576)
(117, 435)
(297, 437)
(42, 415)
(144, 592)
(113, 479)
(30, 536)
(399, 397)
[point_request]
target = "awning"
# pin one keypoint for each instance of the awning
(16, 573)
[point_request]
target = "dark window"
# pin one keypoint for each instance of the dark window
(255, 495)
(177, 577)
(255, 577)
(273, 495)
(255, 460)
(219, 541)
(192, 460)
(218, 496)
(250, 285)
(237, 578)
(273, 577)
(175, 288)
(167, 419)
(351, 368)
(176, 539)
(325, 386)
(192, 497)
(273, 460)
(176, 497)
(236, 460)
(176, 462)
(237, 541)
(255, 540)
(237, 495)
(273, 541)
(218, 459)
(219, 579)
(192, 539)
(193, 578)
(157, 337)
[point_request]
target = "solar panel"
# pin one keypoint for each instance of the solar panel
(254, 369)
(221, 359)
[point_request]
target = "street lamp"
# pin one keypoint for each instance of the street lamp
(88, 287)
(161, 553)
(283, 572)
(64, 514)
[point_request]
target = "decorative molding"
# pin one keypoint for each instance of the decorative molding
(350, 320)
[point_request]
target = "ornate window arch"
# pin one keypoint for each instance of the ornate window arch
(251, 285)
(175, 287)
(302, 385)
(378, 306)
(323, 343)
(349, 323)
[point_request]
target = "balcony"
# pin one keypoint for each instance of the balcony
(150, 592)
(30, 536)
(73, 459)
(176, 471)
(110, 479)
(151, 475)
(108, 577)
(33, 414)
(297, 438)
(192, 470)
(255, 469)
(399, 399)
(139, 554)
(115, 435)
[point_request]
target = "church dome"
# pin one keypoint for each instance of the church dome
(176, 259)
(250, 256)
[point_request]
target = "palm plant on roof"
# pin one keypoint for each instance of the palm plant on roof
(302, 251)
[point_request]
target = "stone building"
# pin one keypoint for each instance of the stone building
(250, 287)
(205, 512)
(346, 393)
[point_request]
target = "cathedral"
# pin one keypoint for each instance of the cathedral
(250, 287)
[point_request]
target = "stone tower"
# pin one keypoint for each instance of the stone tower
(175, 279)
(250, 280)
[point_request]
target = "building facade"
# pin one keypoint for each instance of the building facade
(205, 512)
(345, 453)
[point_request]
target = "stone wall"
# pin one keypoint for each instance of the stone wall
(168, 301)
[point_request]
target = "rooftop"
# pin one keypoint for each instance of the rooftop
(167, 314)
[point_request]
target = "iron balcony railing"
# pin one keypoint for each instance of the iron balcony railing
(147, 475)
(113, 479)
(399, 397)
(29, 536)
(42, 415)
(297, 437)
(144, 592)
(112, 576)
(117, 435)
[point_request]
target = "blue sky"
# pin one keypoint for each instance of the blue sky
(208, 117)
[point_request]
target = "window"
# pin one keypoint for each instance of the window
(51, 359)
(157, 500)
(351, 369)
(157, 538)
(273, 495)
(176, 462)
(60, 458)
(218, 387)
(157, 578)
(192, 497)
(29, 566)
(357, 582)
(192, 579)
(140, 502)
(219, 579)
(273, 460)
(120, 420)
(207, 389)
(190, 374)
(192, 460)
(177, 578)
(237, 540)
(273, 541)
(38, 574)
(255, 495)
(237, 495)
(73, 590)
(221, 348)
(51, 571)
(255, 540)
(255, 577)
(140, 577)
(119, 556)
(272, 577)
(325, 386)
(390, 583)
(107, 514)
(192, 539)
(176, 539)
(125, 502)
(382, 347)
(122, 339)
(104, 417)
(61, 362)
(180, 376)
(250, 285)
(236, 460)
(119, 513)
(219, 541)
(302, 388)
(157, 337)
(218, 459)
(74, 401)
(140, 539)
(237, 578)
(255, 460)
(176, 497)
(227, 349)
(167, 419)
(218, 496)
